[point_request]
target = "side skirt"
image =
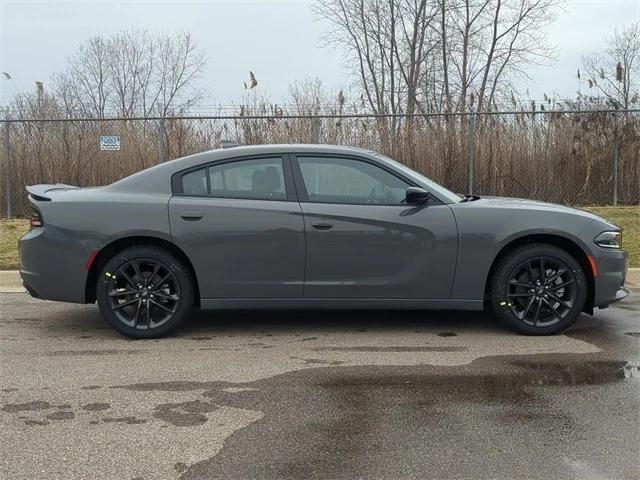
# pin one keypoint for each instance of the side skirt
(340, 303)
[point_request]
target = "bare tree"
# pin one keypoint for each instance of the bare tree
(615, 73)
(385, 43)
(425, 55)
(85, 85)
(179, 65)
(132, 73)
(487, 45)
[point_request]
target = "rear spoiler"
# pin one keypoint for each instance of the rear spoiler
(39, 192)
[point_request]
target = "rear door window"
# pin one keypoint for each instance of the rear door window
(257, 179)
(261, 179)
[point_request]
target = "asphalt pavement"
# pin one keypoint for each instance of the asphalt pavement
(326, 395)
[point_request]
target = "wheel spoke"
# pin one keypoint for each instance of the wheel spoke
(528, 294)
(161, 306)
(530, 270)
(562, 285)
(557, 274)
(560, 301)
(127, 277)
(136, 269)
(535, 318)
(553, 309)
(164, 296)
(124, 304)
(156, 269)
(516, 283)
(122, 293)
(543, 273)
(528, 307)
(164, 279)
(135, 320)
(148, 311)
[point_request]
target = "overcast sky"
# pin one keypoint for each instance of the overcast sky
(277, 39)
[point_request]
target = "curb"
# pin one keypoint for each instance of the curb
(10, 281)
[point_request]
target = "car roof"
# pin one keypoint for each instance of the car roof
(288, 148)
(156, 180)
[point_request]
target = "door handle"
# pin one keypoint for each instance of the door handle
(322, 225)
(191, 216)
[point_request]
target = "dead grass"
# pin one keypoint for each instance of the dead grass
(10, 232)
(625, 217)
(629, 219)
(556, 157)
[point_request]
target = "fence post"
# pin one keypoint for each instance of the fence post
(616, 156)
(317, 125)
(7, 168)
(161, 149)
(471, 148)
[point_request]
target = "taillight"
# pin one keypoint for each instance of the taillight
(36, 218)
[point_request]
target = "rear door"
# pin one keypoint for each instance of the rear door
(241, 225)
(363, 241)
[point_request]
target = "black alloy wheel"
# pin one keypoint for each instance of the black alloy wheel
(538, 289)
(145, 292)
(541, 291)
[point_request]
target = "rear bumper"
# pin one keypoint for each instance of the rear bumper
(30, 290)
(52, 265)
(612, 273)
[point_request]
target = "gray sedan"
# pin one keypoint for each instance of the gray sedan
(304, 226)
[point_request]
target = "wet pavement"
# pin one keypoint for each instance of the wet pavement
(317, 395)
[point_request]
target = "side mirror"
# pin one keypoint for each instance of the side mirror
(417, 195)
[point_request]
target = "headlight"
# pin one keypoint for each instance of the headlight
(609, 240)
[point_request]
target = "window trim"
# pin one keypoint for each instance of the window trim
(289, 184)
(303, 195)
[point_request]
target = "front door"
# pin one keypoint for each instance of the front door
(363, 241)
(241, 225)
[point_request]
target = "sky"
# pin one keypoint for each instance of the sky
(279, 40)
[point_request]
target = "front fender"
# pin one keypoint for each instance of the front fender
(485, 233)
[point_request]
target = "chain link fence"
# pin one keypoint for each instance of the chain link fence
(575, 158)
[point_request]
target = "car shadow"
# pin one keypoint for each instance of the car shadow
(335, 321)
(86, 322)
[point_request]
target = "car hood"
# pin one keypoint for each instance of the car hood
(529, 205)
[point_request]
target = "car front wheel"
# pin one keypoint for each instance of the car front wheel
(145, 292)
(538, 289)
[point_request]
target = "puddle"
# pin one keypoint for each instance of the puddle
(390, 349)
(58, 353)
(24, 407)
(96, 407)
(583, 373)
(351, 413)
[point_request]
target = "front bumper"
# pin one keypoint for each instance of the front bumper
(612, 273)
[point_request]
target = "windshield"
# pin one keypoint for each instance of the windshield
(430, 185)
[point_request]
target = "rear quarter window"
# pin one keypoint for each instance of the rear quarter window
(195, 183)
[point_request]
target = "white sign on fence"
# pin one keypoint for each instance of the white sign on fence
(110, 142)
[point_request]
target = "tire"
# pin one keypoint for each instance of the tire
(145, 292)
(538, 289)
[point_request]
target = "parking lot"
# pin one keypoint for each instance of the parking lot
(317, 395)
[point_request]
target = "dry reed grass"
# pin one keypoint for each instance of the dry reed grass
(557, 157)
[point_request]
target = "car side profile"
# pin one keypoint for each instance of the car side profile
(312, 226)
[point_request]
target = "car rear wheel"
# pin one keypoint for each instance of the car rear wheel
(538, 289)
(145, 292)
